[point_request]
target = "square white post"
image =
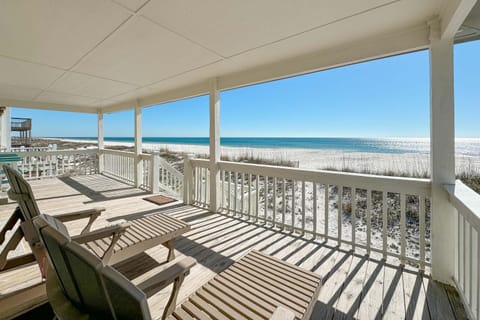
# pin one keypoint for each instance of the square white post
(442, 155)
(214, 145)
(101, 163)
(187, 180)
(138, 145)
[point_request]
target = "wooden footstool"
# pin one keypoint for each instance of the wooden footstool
(257, 286)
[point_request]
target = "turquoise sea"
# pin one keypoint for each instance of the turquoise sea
(464, 146)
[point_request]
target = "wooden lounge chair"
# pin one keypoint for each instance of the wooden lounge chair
(112, 243)
(21, 220)
(255, 287)
(83, 287)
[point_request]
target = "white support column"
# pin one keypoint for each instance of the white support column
(5, 130)
(138, 145)
(187, 180)
(101, 163)
(442, 157)
(214, 145)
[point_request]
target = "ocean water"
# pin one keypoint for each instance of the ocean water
(464, 146)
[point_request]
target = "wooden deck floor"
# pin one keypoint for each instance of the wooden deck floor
(354, 285)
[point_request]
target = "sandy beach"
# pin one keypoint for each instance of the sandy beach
(403, 164)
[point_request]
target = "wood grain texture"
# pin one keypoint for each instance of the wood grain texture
(353, 288)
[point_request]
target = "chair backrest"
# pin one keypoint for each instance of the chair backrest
(94, 288)
(21, 192)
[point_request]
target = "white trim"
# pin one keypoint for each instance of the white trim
(137, 119)
(47, 106)
(453, 17)
(214, 145)
(415, 38)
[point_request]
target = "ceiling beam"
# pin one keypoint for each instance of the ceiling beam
(47, 106)
(412, 39)
(190, 91)
(453, 17)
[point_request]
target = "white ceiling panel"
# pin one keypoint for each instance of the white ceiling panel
(383, 21)
(143, 53)
(132, 5)
(15, 72)
(61, 98)
(99, 53)
(85, 85)
(231, 26)
(20, 93)
(55, 32)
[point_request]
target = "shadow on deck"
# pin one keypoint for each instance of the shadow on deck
(354, 285)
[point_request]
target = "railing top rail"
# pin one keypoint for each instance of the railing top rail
(163, 163)
(56, 152)
(466, 201)
(365, 181)
(146, 156)
(118, 152)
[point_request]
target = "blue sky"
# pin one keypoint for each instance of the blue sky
(380, 98)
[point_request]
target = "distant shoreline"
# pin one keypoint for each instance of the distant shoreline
(464, 146)
(404, 164)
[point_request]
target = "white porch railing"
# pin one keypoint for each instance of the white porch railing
(467, 266)
(391, 215)
(119, 164)
(170, 178)
(42, 164)
(147, 171)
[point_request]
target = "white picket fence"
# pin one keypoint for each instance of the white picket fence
(387, 215)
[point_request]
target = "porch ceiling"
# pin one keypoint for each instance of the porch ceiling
(104, 56)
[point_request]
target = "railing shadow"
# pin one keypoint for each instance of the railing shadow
(101, 188)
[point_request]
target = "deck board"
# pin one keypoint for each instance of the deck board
(355, 285)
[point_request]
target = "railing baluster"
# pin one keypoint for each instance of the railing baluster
(249, 196)
(257, 191)
(402, 229)
(465, 278)
(478, 274)
(421, 217)
(222, 184)
(293, 205)
(353, 217)
(326, 209)
(369, 220)
(284, 205)
(470, 265)
(235, 187)
(339, 214)
(314, 218)
(242, 195)
(229, 192)
(385, 223)
(303, 207)
(265, 207)
(274, 201)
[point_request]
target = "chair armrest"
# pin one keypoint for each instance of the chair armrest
(174, 269)
(101, 233)
(92, 214)
(282, 313)
(115, 231)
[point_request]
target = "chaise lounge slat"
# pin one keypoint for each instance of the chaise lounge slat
(254, 288)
